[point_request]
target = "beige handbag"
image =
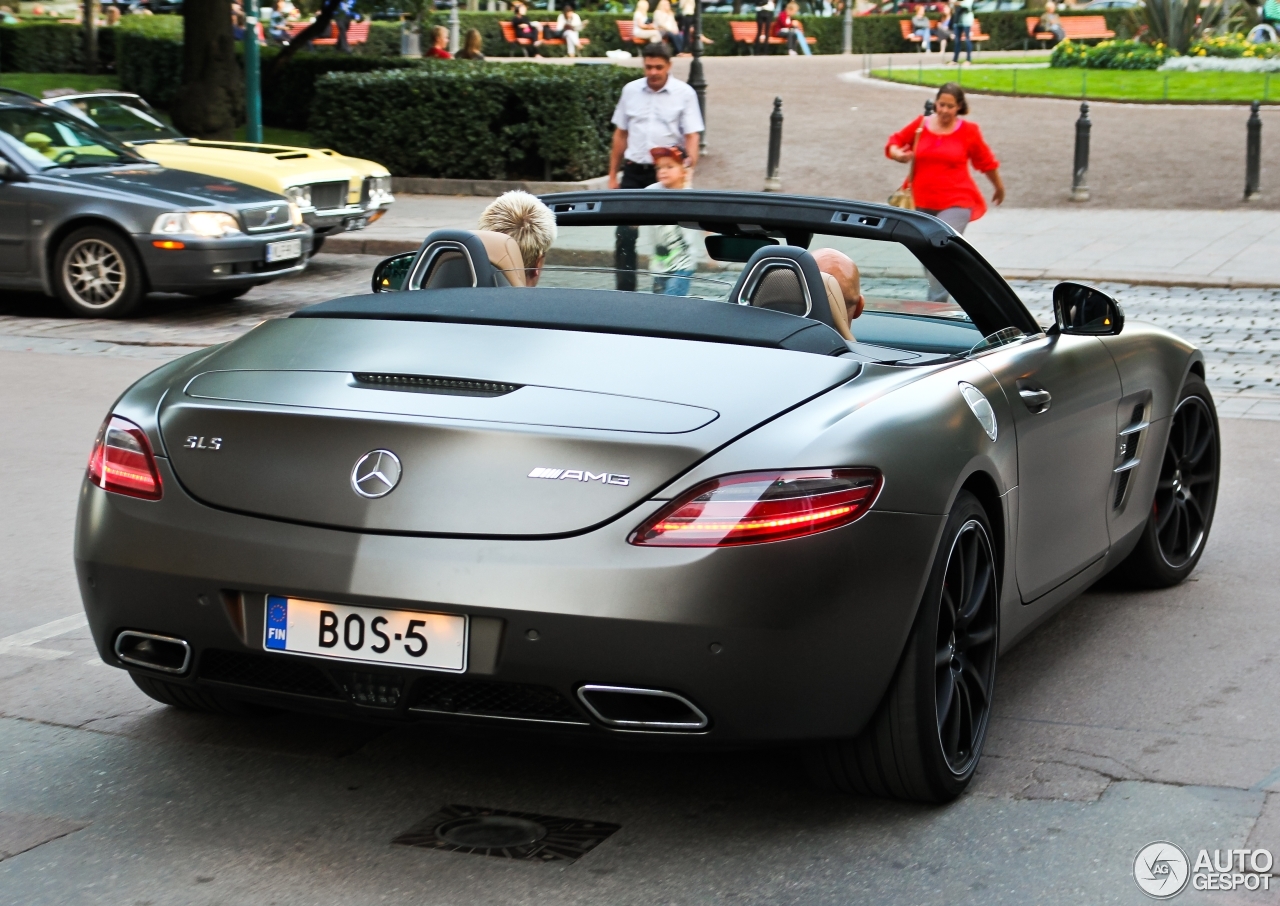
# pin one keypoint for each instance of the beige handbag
(903, 197)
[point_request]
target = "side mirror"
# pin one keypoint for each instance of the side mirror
(391, 273)
(10, 173)
(1081, 309)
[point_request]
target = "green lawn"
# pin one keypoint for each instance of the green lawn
(37, 82)
(1103, 84)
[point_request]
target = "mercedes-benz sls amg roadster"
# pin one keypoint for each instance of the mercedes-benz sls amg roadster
(645, 498)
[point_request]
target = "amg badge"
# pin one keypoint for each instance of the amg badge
(581, 475)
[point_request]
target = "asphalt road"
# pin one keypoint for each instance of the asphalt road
(1129, 718)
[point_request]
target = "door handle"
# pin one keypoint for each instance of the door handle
(1036, 400)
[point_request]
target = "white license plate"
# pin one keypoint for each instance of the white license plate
(284, 250)
(408, 638)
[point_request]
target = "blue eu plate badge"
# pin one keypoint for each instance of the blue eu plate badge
(277, 622)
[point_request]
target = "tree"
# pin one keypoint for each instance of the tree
(211, 99)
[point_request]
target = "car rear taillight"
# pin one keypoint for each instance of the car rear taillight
(122, 461)
(754, 507)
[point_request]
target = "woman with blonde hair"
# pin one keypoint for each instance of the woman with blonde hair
(789, 27)
(440, 44)
(664, 20)
(640, 26)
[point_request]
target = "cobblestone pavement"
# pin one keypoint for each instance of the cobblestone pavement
(1238, 329)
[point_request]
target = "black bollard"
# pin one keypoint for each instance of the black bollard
(772, 182)
(697, 81)
(1253, 155)
(928, 108)
(1080, 175)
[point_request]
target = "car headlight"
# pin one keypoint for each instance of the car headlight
(299, 195)
(213, 224)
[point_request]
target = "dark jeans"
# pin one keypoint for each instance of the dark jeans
(634, 176)
(764, 21)
(962, 32)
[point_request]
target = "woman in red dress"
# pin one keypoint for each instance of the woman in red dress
(941, 181)
(944, 145)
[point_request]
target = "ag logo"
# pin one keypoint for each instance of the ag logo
(1161, 870)
(376, 474)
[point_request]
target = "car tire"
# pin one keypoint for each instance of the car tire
(189, 699)
(1177, 526)
(97, 274)
(317, 243)
(925, 739)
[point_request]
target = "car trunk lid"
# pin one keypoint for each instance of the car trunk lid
(498, 431)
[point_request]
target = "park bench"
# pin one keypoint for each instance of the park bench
(976, 34)
(627, 32)
(357, 33)
(909, 35)
(1076, 28)
(746, 32)
(509, 34)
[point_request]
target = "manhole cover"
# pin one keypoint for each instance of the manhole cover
(508, 835)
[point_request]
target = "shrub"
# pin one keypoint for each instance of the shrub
(51, 47)
(1111, 55)
(479, 121)
(150, 57)
(1232, 47)
(287, 93)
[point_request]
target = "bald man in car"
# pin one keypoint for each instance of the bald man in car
(840, 266)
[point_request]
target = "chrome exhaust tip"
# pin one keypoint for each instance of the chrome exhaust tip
(155, 652)
(629, 708)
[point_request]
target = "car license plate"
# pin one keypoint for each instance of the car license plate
(407, 638)
(355, 223)
(284, 250)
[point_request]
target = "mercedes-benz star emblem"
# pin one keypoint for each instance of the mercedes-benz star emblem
(376, 474)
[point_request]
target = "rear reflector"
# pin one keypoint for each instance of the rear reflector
(754, 507)
(122, 462)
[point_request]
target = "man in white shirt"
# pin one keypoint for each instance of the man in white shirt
(654, 112)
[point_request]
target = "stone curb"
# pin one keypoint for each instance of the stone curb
(342, 245)
(424, 185)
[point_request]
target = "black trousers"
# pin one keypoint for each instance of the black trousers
(634, 176)
(764, 22)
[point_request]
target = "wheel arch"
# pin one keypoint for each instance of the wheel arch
(65, 229)
(982, 484)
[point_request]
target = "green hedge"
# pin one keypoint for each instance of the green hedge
(287, 93)
(150, 59)
(479, 121)
(51, 47)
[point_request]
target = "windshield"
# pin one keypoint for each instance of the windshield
(676, 260)
(903, 306)
(126, 119)
(46, 138)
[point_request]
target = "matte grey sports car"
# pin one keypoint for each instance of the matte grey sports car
(705, 504)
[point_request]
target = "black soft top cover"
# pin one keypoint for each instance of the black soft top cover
(593, 311)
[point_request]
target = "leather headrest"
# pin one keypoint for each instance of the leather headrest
(839, 311)
(786, 278)
(504, 254)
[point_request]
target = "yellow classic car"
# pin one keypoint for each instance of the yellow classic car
(335, 192)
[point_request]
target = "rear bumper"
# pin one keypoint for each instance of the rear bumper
(206, 265)
(783, 641)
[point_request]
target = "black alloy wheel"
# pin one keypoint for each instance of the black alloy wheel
(1188, 485)
(924, 741)
(1177, 525)
(965, 653)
